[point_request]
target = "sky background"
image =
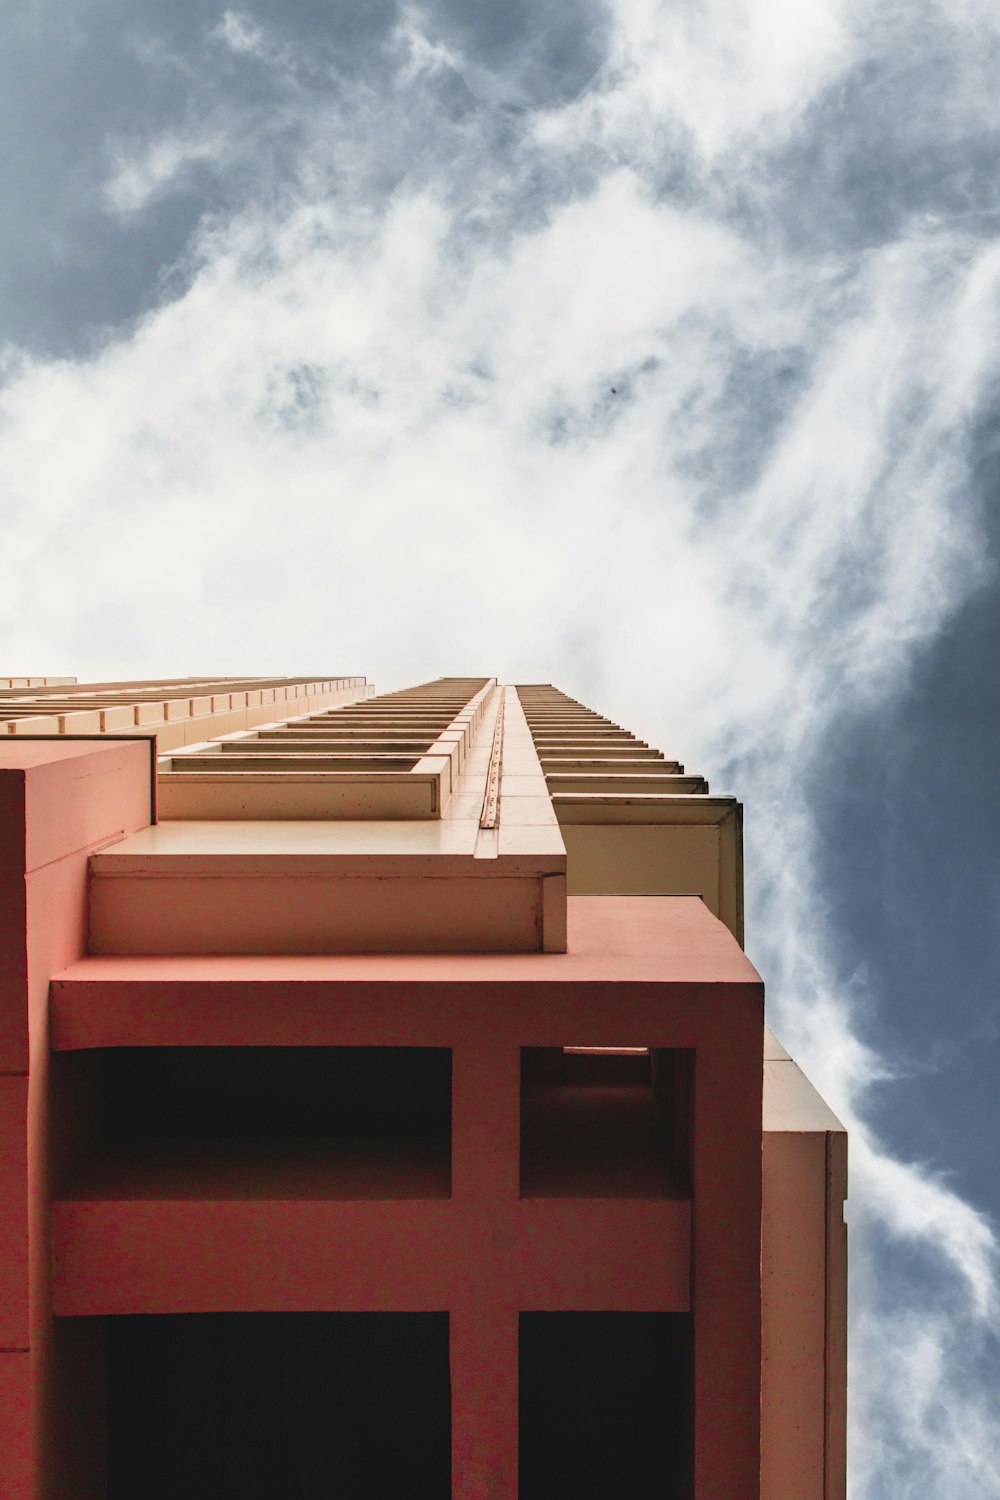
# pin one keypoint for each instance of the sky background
(650, 349)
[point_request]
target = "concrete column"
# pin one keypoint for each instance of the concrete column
(58, 802)
(486, 1103)
(484, 1403)
(726, 1261)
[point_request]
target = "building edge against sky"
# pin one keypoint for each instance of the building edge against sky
(519, 919)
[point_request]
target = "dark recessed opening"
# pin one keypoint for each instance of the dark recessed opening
(272, 1122)
(284, 1093)
(605, 1124)
(605, 1406)
(255, 1406)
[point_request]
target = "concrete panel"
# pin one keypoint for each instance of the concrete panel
(318, 914)
(664, 955)
(57, 799)
(16, 1455)
(793, 1273)
(13, 907)
(483, 1353)
(804, 1289)
(189, 1255)
(606, 859)
(14, 1212)
(279, 796)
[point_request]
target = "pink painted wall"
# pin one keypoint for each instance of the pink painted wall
(58, 802)
(656, 972)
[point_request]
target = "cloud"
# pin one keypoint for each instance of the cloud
(137, 181)
(720, 73)
(423, 55)
(568, 390)
(241, 33)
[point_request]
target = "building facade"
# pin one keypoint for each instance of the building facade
(386, 1109)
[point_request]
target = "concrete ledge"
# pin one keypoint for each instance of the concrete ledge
(168, 1255)
(324, 887)
(656, 845)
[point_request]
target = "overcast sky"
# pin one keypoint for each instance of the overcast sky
(646, 348)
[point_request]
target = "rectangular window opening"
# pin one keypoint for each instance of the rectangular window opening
(605, 1122)
(338, 1122)
(605, 1406)
(252, 1406)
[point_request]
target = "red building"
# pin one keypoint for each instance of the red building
(387, 1110)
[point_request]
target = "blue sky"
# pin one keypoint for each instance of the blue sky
(648, 349)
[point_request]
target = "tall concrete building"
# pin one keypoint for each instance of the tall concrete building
(387, 1110)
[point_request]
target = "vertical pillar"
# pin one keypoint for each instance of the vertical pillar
(484, 1403)
(15, 1359)
(59, 799)
(726, 1260)
(486, 1102)
(13, 1211)
(15, 1425)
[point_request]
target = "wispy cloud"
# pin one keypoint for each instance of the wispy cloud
(241, 33)
(604, 390)
(136, 181)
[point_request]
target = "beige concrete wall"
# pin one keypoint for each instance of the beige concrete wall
(803, 1290)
